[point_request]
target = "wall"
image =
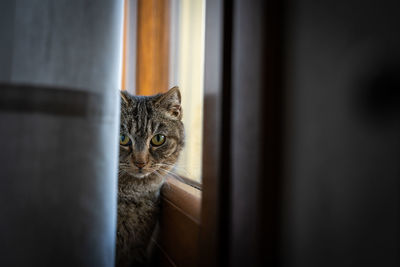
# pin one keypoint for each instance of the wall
(342, 76)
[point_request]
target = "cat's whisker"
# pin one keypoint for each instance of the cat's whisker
(163, 165)
(159, 175)
(181, 169)
(174, 167)
(173, 175)
(163, 177)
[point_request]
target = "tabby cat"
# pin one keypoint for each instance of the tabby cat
(151, 138)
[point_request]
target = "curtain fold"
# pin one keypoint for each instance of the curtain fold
(59, 121)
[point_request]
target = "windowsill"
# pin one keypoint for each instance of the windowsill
(179, 228)
(185, 197)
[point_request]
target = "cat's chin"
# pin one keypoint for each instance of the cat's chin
(140, 175)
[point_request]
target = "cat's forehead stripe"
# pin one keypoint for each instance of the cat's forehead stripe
(142, 117)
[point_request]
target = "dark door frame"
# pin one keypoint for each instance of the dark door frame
(242, 133)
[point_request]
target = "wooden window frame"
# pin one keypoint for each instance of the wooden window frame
(177, 240)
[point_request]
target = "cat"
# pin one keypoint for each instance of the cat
(151, 139)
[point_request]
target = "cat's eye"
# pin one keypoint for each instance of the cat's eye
(124, 140)
(158, 140)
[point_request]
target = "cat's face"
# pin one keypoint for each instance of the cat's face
(151, 133)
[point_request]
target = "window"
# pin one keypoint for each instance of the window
(164, 47)
(187, 69)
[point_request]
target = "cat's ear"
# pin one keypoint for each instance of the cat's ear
(124, 97)
(171, 102)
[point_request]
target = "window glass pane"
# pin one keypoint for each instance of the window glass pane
(186, 71)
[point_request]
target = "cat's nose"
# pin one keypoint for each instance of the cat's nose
(139, 164)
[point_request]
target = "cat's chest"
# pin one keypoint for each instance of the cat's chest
(137, 212)
(136, 207)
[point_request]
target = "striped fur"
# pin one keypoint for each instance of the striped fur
(138, 190)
